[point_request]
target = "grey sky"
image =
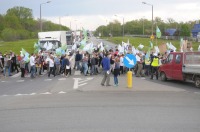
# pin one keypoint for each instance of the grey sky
(91, 13)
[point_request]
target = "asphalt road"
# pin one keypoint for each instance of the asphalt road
(81, 104)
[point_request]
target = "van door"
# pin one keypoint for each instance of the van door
(177, 67)
(168, 66)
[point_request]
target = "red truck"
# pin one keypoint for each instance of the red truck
(184, 66)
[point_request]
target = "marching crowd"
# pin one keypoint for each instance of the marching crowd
(110, 61)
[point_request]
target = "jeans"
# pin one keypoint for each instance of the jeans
(51, 71)
(77, 64)
(93, 69)
(115, 80)
(4, 71)
(32, 71)
(85, 67)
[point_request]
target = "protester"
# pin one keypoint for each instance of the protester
(85, 64)
(122, 64)
(106, 70)
(32, 64)
(78, 58)
(22, 66)
(93, 63)
(57, 64)
(154, 66)
(7, 64)
(116, 71)
(51, 66)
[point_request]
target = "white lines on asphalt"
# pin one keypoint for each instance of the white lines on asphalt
(61, 92)
(77, 73)
(78, 81)
(47, 79)
(32, 94)
(20, 81)
(46, 93)
(197, 92)
(21, 94)
(16, 75)
(62, 79)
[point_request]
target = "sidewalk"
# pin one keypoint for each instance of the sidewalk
(138, 84)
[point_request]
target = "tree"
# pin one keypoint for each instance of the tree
(185, 30)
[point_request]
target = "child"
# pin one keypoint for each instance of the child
(116, 70)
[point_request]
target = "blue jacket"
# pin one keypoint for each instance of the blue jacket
(106, 63)
(65, 62)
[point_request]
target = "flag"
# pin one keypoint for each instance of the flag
(64, 47)
(158, 32)
(151, 45)
(23, 51)
(141, 46)
(199, 48)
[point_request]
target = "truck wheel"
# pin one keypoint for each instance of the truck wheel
(197, 82)
(163, 76)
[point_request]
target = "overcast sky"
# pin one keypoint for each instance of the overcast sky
(92, 13)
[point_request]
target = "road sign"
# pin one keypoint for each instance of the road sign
(129, 60)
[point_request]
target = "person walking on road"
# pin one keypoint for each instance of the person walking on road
(106, 69)
(32, 64)
(51, 66)
(154, 66)
(116, 71)
(22, 66)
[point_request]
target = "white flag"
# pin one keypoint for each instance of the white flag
(50, 45)
(141, 46)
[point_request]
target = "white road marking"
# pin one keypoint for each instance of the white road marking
(78, 81)
(16, 75)
(61, 92)
(32, 94)
(77, 73)
(46, 93)
(21, 94)
(47, 79)
(197, 92)
(20, 81)
(62, 79)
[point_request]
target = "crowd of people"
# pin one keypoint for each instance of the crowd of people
(108, 61)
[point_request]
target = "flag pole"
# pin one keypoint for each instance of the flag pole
(156, 33)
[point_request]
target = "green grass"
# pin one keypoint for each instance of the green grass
(135, 41)
(16, 46)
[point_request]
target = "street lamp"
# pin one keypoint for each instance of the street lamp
(123, 25)
(152, 15)
(41, 14)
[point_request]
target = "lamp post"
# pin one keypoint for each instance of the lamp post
(41, 14)
(152, 15)
(123, 26)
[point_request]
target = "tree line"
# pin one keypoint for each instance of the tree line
(18, 23)
(143, 27)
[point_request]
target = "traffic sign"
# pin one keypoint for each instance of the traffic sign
(129, 60)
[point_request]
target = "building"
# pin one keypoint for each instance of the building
(170, 32)
(196, 30)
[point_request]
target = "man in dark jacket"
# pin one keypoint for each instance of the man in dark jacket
(106, 68)
(78, 58)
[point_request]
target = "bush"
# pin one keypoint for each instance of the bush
(9, 34)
